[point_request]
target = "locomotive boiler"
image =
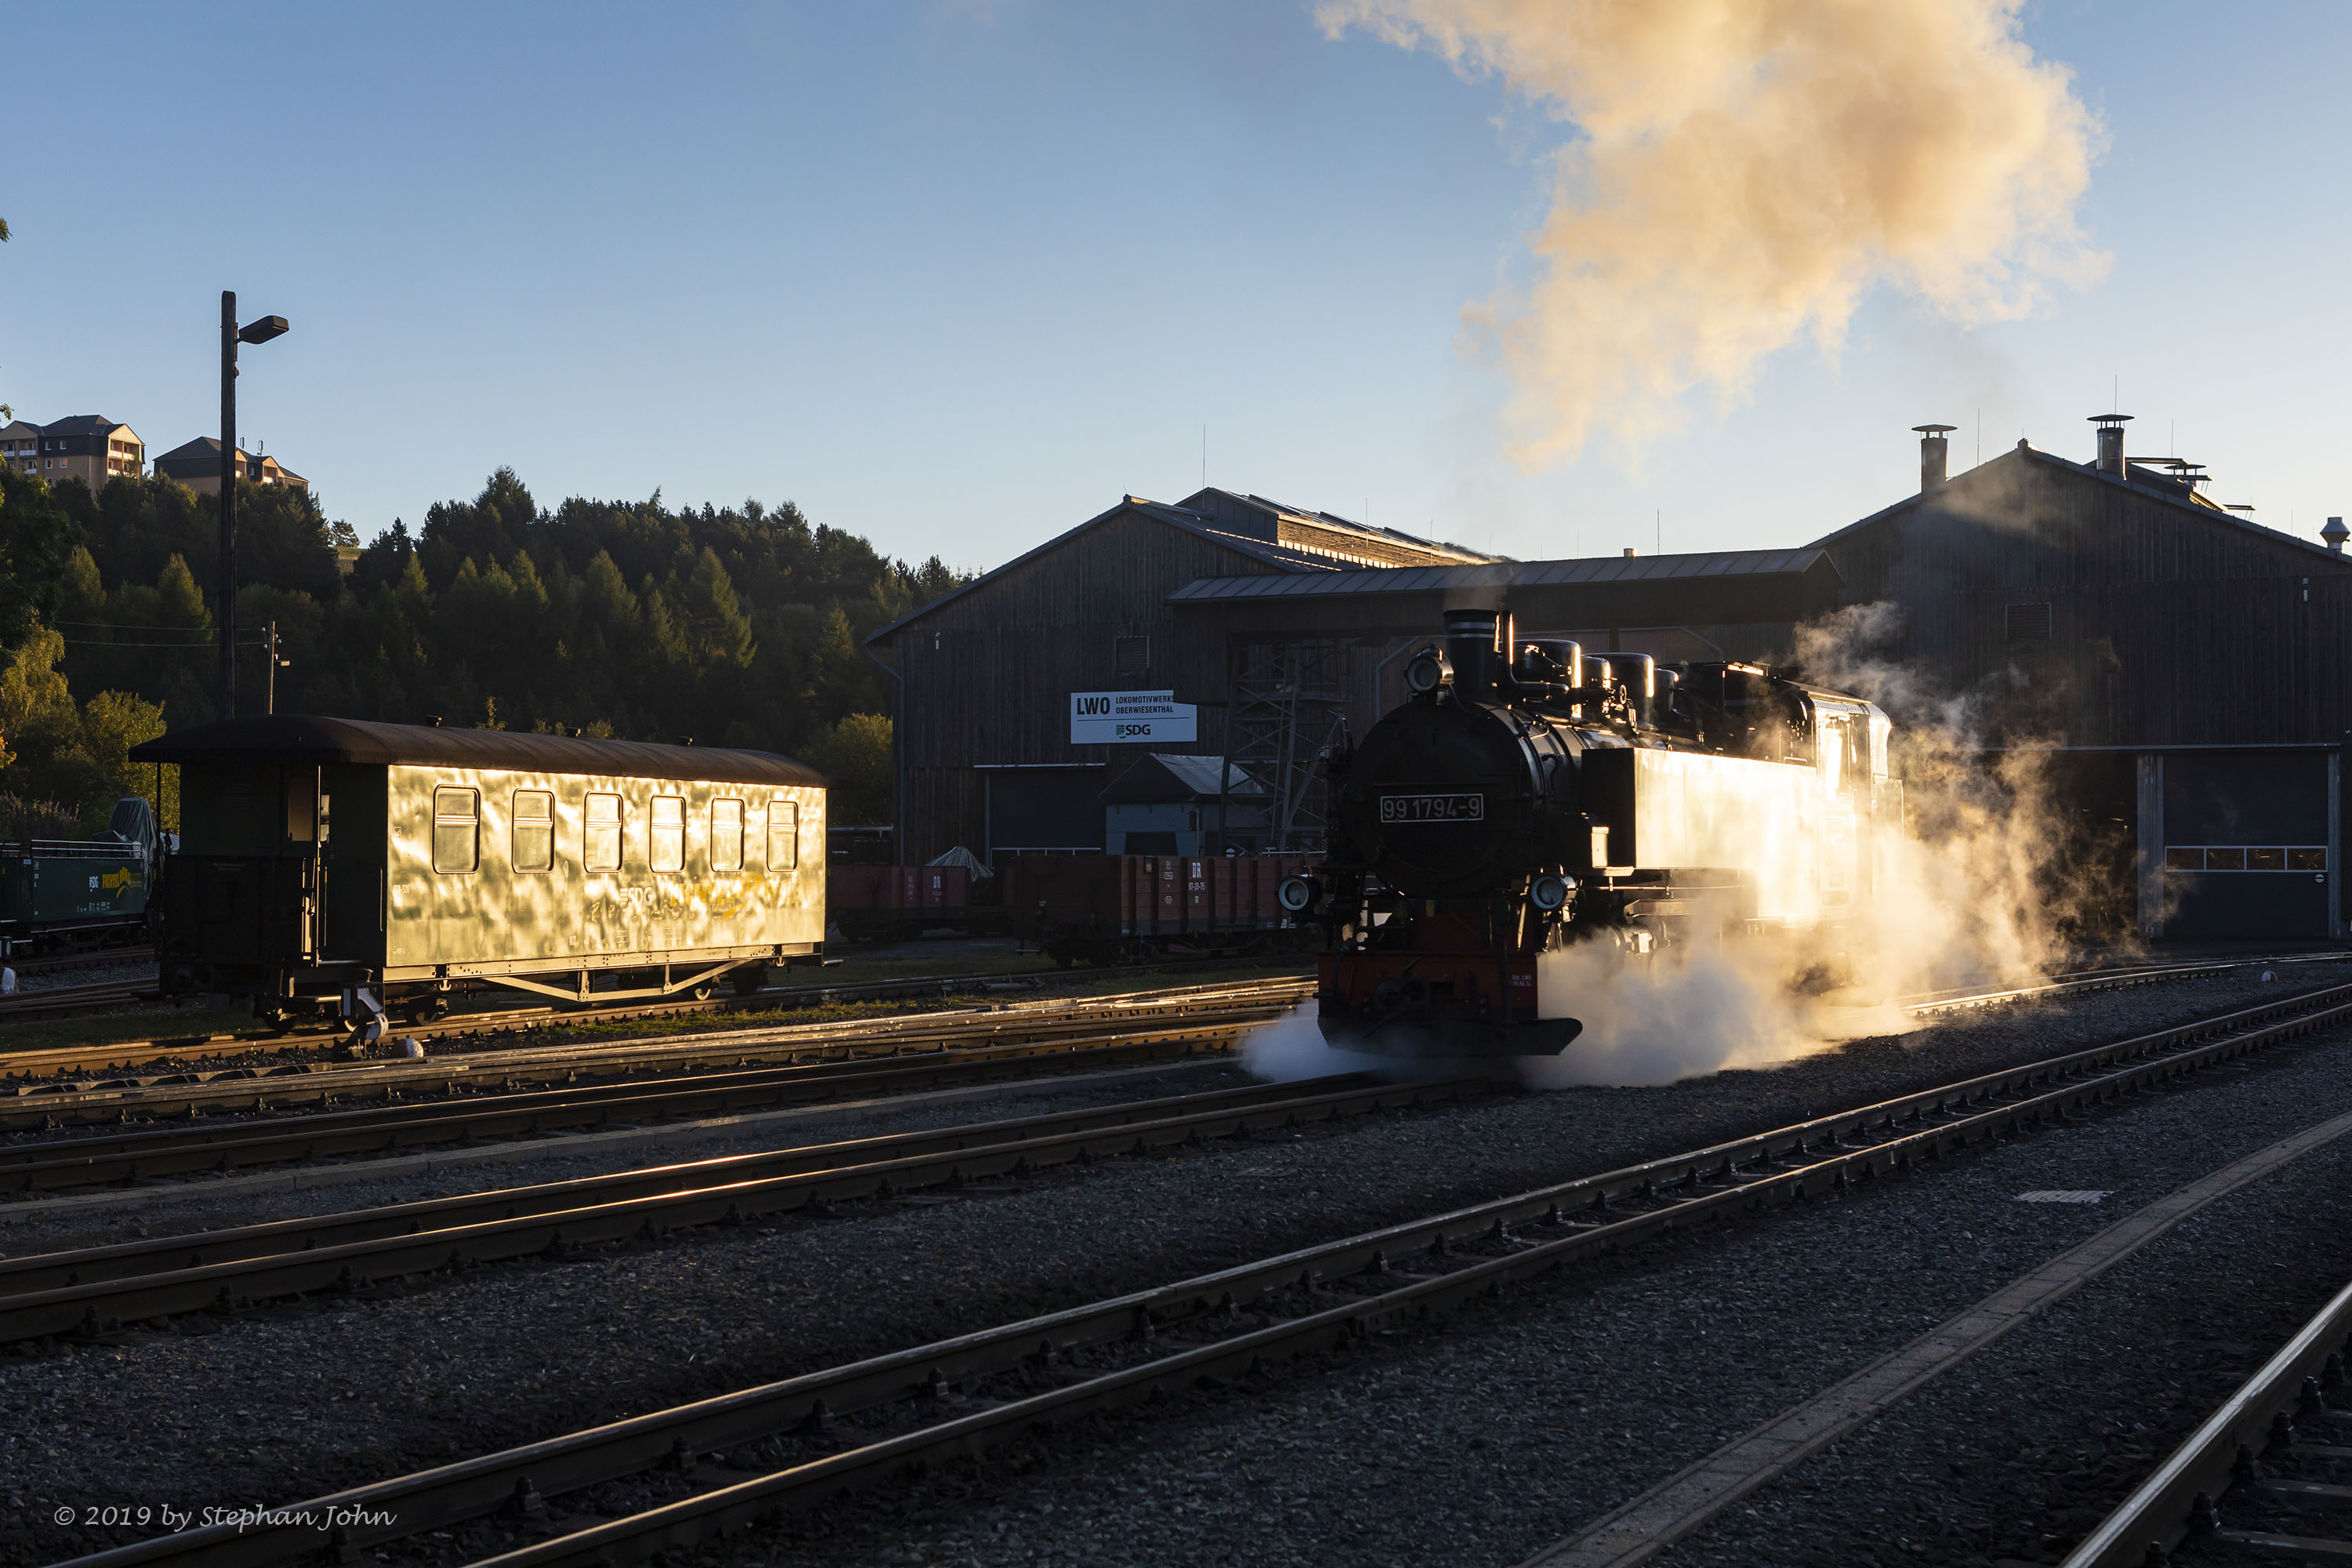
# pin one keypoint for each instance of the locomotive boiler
(1530, 797)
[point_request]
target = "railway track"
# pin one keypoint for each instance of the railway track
(1080, 1029)
(123, 1055)
(95, 958)
(810, 1436)
(76, 1001)
(92, 1289)
(2276, 1448)
(56, 1166)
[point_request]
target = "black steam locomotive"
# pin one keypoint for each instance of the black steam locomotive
(1530, 796)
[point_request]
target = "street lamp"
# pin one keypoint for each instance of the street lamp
(259, 331)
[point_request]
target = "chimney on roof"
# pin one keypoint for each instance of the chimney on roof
(1631, 552)
(1935, 456)
(2111, 444)
(2335, 534)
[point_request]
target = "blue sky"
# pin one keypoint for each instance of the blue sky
(957, 275)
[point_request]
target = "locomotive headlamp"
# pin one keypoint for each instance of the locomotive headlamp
(1549, 891)
(1426, 673)
(1298, 894)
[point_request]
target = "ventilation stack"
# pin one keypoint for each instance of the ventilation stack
(2111, 444)
(1935, 456)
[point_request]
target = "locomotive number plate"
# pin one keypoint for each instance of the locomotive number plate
(1433, 808)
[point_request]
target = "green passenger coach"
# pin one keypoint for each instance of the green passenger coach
(322, 857)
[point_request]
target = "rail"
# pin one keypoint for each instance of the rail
(2179, 1500)
(1461, 1255)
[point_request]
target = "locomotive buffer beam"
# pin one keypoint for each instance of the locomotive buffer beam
(1436, 1036)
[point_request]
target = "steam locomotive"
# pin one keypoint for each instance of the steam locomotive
(1530, 797)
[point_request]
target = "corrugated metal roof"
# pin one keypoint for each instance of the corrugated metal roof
(304, 738)
(1507, 574)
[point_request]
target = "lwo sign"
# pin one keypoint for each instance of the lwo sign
(1116, 718)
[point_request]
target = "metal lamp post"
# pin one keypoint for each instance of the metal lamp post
(232, 465)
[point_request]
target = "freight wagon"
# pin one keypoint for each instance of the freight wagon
(59, 893)
(1119, 908)
(885, 903)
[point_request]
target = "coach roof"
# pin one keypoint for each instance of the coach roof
(308, 738)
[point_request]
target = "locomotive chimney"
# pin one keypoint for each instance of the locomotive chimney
(1470, 648)
(2111, 444)
(1935, 456)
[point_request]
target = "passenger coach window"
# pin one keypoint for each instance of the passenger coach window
(534, 830)
(456, 829)
(784, 835)
(602, 848)
(669, 847)
(727, 836)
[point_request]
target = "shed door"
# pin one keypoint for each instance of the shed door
(2245, 844)
(1044, 808)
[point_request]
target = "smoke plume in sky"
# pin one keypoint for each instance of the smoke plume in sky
(1744, 172)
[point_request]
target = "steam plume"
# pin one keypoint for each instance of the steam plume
(1747, 170)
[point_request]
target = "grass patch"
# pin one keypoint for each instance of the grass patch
(112, 1028)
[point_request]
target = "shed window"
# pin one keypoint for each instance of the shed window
(1132, 656)
(456, 829)
(534, 830)
(601, 849)
(727, 836)
(668, 846)
(784, 835)
(2026, 623)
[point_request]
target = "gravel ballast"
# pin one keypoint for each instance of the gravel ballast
(295, 1401)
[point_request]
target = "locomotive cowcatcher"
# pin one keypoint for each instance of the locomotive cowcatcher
(1530, 797)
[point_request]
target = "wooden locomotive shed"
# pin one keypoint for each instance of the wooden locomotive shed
(2189, 671)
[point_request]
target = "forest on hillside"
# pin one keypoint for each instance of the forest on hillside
(737, 626)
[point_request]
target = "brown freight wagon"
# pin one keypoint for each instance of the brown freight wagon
(1124, 908)
(878, 903)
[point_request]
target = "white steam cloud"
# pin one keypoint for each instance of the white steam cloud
(1747, 170)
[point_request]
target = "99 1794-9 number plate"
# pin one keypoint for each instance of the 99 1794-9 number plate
(1433, 808)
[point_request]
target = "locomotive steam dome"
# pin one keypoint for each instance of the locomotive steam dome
(1454, 795)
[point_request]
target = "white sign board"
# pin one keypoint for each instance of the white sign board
(1125, 718)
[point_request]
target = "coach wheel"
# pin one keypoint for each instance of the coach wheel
(1063, 961)
(750, 980)
(273, 1019)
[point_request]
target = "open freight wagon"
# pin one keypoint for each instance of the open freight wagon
(889, 903)
(1124, 908)
(60, 893)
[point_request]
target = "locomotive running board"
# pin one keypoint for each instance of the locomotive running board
(1444, 1039)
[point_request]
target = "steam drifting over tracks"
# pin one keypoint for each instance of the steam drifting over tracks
(1106, 1359)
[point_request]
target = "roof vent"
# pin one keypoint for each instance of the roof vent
(2335, 534)
(2111, 443)
(1631, 552)
(1935, 456)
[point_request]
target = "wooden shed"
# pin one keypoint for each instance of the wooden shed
(2190, 669)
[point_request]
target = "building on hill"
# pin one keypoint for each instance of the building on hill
(196, 465)
(2188, 670)
(87, 447)
(20, 446)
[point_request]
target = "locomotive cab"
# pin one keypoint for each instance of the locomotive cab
(1528, 798)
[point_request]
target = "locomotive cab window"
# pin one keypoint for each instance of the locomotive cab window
(784, 835)
(601, 851)
(456, 829)
(534, 830)
(727, 836)
(667, 847)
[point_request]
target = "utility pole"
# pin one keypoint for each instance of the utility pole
(232, 470)
(272, 666)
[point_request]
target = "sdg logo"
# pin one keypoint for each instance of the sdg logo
(1131, 732)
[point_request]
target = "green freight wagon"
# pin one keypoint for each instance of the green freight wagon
(80, 892)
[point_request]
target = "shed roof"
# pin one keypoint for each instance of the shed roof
(1160, 778)
(2144, 481)
(1593, 571)
(312, 739)
(1280, 559)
